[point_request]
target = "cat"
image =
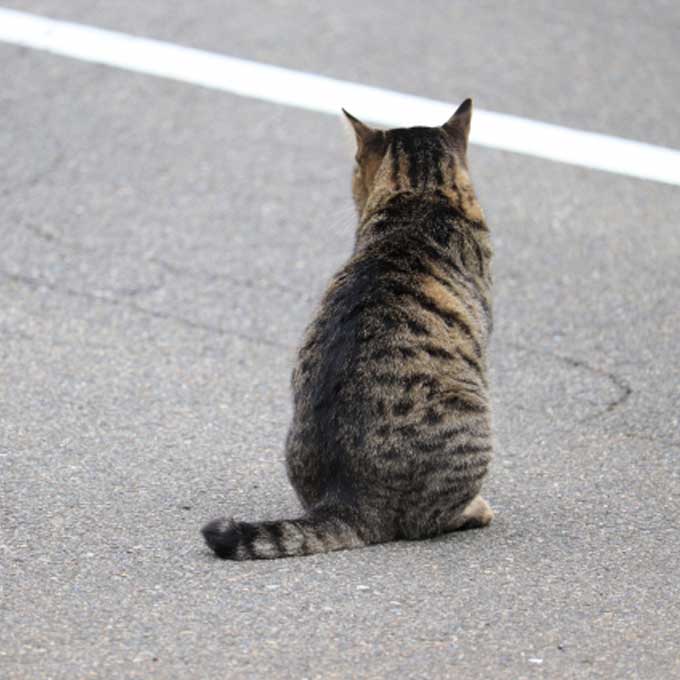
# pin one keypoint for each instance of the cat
(391, 433)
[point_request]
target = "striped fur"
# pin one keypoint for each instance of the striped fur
(391, 433)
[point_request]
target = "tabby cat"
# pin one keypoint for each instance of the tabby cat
(391, 433)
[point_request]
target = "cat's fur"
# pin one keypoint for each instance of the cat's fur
(391, 435)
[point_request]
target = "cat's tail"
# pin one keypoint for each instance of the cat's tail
(322, 529)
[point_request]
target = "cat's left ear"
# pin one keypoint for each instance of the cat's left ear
(458, 126)
(366, 136)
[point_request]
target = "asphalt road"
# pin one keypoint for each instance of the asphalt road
(162, 248)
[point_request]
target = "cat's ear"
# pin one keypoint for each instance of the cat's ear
(366, 136)
(458, 126)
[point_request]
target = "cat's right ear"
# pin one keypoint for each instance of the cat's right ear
(458, 126)
(366, 136)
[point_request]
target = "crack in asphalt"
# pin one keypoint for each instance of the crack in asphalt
(34, 283)
(56, 240)
(215, 277)
(624, 389)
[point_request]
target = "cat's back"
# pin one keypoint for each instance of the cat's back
(403, 323)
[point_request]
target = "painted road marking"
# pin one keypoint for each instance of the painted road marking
(328, 95)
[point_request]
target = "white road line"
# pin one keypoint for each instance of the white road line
(327, 95)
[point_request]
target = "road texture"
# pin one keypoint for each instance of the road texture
(162, 247)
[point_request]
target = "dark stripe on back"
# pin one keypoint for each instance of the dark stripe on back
(407, 430)
(402, 407)
(432, 416)
(472, 363)
(480, 256)
(470, 448)
(436, 352)
(411, 154)
(395, 166)
(407, 263)
(436, 253)
(451, 432)
(449, 317)
(459, 403)
(437, 165)
(417, 328)
(412, 380)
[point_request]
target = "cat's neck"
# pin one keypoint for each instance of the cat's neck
(408, 205)
(419, 213)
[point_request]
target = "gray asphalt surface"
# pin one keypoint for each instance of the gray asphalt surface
(162, 247)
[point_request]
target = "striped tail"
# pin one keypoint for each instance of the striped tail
(320, 530)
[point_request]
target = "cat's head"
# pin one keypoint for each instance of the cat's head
(418, 160)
